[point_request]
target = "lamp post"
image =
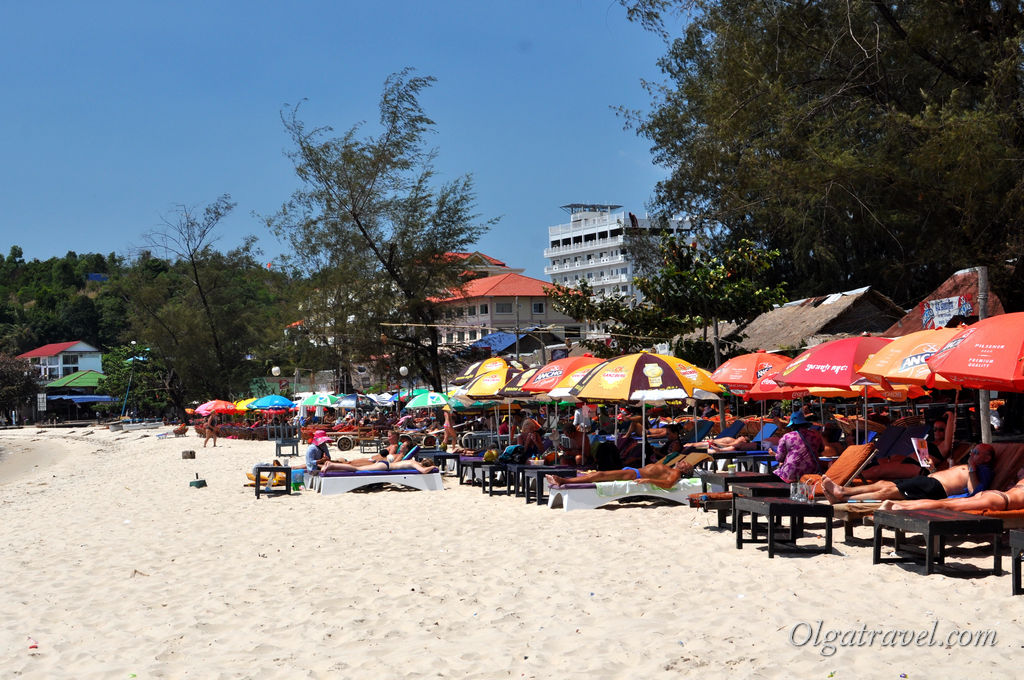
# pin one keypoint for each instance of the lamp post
(404, 372)
(131, 375)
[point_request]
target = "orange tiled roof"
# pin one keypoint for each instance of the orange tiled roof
(503, 285)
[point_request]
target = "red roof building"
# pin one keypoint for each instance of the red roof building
(59, 359)
(506, 302)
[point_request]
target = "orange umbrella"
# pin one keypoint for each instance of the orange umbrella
(892, 393)
(987, 355)
(903, 361)
(741, 373)
(767, 388)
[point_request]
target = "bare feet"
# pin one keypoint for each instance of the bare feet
(554, 480)
(833, 492)
(888, 505)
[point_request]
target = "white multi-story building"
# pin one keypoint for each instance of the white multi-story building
(591, 248)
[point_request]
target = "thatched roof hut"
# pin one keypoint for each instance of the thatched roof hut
(802, 323)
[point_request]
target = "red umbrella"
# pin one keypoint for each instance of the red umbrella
(768, 388)
(218, 406)
(743, 372)
(831, 364)
(550, 374)
(987, 355)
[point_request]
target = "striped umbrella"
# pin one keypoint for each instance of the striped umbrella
(483, 367)
(645, 377)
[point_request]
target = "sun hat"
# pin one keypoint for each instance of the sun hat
(320, 437)
(798, 418)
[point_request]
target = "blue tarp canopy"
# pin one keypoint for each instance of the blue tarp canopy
(81, 398)
(497, 341)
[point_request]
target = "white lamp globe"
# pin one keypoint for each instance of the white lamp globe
(275, 371)
(403, 371)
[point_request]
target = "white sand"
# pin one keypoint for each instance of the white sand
(118, 569)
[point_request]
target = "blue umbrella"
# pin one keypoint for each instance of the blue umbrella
(271, 402)
(356, 401)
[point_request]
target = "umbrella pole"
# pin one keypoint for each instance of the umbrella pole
(643, 432)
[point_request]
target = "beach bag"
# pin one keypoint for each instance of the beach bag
(514, 454)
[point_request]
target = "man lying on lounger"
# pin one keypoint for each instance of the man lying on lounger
(990, 499)
(972, 478)
(366, 465)
(658, 474)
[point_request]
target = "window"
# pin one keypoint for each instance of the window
(483, 309)
(472, 335)
(462, 336)
(459, 311)
(450, 338)
(538, 307)
(471, 311)
(502, 307)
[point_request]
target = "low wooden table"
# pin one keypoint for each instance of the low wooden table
(538, 471)
(272, 471)
(761, 489)
(853, 514)
(935, 525)
(1016, 553)
(725, 479)
(775, 509)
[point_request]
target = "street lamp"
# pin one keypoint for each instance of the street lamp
(402, 371)
(131, 375)
(275, 371)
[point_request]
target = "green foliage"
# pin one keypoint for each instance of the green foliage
(17, 382)
(132, 370)
(869, 142)
(690, 290)
(372, 228)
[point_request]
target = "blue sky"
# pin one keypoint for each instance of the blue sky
(115, 112)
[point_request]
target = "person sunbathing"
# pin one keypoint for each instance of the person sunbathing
(989, 499)
(366, 465)
(658, 474)
(972, 478)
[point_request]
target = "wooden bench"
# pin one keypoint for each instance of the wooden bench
(936, 526)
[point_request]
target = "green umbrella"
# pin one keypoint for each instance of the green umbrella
(427, 400)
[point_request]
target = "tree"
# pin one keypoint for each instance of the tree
(17, 382)
(370, 205)
(869, 142)
(134, 378)
(691, 289)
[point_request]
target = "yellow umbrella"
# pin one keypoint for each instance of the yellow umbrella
(483, 367)
(904, 359)
(646, 377)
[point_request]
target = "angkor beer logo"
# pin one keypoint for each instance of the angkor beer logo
(613, 375)
(492, 365)
(553, 373)
(955, 342)
(762, 370)
(918, 358)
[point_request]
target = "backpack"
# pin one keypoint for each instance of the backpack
(514, 454)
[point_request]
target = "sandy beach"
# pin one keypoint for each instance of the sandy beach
(114, 567)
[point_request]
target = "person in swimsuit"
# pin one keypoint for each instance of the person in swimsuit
(658, 474)
(972, 478)
(366, 465)
(990, 499)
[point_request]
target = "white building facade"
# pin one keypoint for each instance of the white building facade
(591, 248)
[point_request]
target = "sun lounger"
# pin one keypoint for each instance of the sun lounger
(590, 496)
(845, 468)
(343, 482)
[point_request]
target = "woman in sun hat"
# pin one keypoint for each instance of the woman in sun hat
(799, 449)
(319, 446)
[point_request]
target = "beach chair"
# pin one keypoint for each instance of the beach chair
(845, 468)
(331, 483)
(733, 430)
(285, 437)
(591, 496)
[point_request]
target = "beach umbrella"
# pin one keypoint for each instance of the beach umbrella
(562, 374)
(645, 377)
(271, 402)
(488, 385)
(904, 360)
(483, 367)
(314, 400)
(513, 389)
(831, 364)
(428, 400)
(356, 401)
(741, 373)
(243, 404)
(891, 393)
(767, 388)
(215, 406)
(987, 355)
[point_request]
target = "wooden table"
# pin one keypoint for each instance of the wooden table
(1016, 551)
(539, 471)
(935, 525)
(775, 509)
(272, 471)
(725, 479)
(761, 489)
(853, 514)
